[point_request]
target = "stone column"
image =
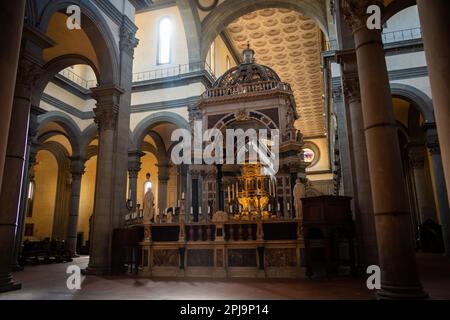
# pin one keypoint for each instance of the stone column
(31, 152)
(399, 275)
(77, 170)
(134, 166)
(425, 201)
(344, 141)
(11, 22)
(434, 19)
(163, 179)
(439, 180)
(364, 213)
(106, 114)
(14, 167)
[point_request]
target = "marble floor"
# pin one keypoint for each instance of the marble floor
(49, 282)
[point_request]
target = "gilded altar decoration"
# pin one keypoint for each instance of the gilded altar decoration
(241, 115)
(253, 193)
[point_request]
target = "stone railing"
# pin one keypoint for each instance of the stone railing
(256, 87)
(172, 72)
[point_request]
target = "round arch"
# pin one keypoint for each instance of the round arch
(416, 97)
(147, 123)
(54, 66)
(254, 115)
(72, 131)
(230, 10)
(98, 32)
(88, 134)
(395, 7)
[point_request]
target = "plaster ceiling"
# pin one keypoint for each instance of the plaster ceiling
(289, 43)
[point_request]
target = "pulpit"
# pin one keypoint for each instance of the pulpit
(329, 233)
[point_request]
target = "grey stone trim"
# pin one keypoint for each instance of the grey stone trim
(161, 4)
(72, 87)
(409, 73)
(416, 72)
(69, 125)
(141, 4)
(84, 115)
(402, 47)
(419, 99)
(110, 10)
(148, 122)
(234, 52)
(164, 105)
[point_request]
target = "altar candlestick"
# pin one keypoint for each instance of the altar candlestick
(269, 207)
(237, 189)
(199, 210)
(278, 206)
(270, 187)
(192, 210)
(231, 209)
(287, 206)
(182, 196)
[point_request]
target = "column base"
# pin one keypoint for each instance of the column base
(8, 284)
(96, 271)
(17, 267)
(401, 293)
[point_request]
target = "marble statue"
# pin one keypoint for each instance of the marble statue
(299, 193)
(148, 200)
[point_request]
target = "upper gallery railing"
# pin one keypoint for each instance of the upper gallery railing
(246, 88)
(402, 35)
(86, 84)
(387, 37)
(143, 76)
(172, 72)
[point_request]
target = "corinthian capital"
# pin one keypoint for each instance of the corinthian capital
(127, 39)
(355, 11)
(28, 74)
(351, 88)
(107, 107)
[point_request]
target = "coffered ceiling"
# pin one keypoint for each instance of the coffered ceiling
(289, 43)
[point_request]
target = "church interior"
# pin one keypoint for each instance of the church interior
(101, 98)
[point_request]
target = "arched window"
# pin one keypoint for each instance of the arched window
(164, 40)
(212, 57)
(228, 63)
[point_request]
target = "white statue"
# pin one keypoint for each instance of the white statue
(299, 193)
(148, 200)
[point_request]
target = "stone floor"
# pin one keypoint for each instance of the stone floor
(49, 282)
